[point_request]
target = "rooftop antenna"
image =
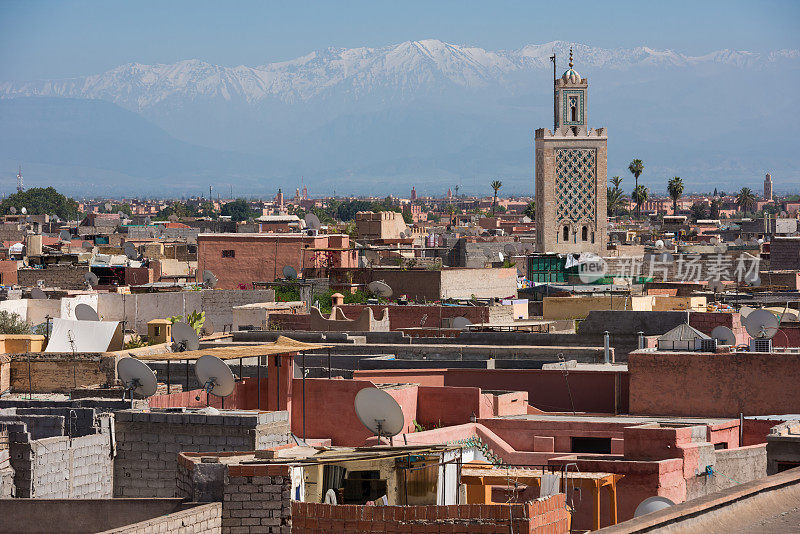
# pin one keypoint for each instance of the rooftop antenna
(724, 335)
(137, 378)
(91, 280)
(215, 376)
(38, 294)
(380, 288)
(289, 272)
(379, 412)
(184, 338)
(84, 312)
(652, 504)
(209, 279)
(20, 187)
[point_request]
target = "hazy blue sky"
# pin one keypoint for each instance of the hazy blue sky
(47, 39)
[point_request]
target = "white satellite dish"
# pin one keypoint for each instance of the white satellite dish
(379, 412)
(24, 210)
(724, 335)
(289, 272)
(744, 311)
(137, 377)
(659, 244)
(91, 279)
(714, 240)
(209, 279)
(526, 220)
(382, 289)
(84, 312)
(461, 323)
(38, 294)
(12, 210)
(312, 222)
(184, 337)
(652, 504)
(214, 375)
(739, 242)
(761, 324)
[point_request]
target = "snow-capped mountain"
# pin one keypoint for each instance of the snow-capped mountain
(403, 68)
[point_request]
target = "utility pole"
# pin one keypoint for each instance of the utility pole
(555, 93)
(20, 188)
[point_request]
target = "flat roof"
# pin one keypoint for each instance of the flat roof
(621, 419)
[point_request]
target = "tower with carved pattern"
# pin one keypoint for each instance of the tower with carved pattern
(571, 174)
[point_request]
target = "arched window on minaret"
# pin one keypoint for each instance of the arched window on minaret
(573, 112)
(585, 234)
(566, 233)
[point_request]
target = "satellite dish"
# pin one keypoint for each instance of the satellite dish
(659, 244)
(312, 222)
(130, 251)
(379, 412)
(121, 214)
(510, 249)
(289, 272)
(380, 288)
(209, 280)
(38, 294)
(108, 206)
(184, 337)
(461, 323)
(714, 240)
(652, 504)
(24, 210)
(91, 279)
(744, 311)
(215, 375)
(716, 286)
(173, 217)
(724, 335)
(526, 220)
(84, 312)
(137, 377)
(739, 242)
(761, 324)
(64, 235)
(147, 221)
(87, 245)
(12, 210)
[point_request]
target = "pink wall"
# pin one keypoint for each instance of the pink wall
(421, 316)
(423, 377)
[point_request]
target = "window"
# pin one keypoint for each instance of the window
(591, 445)
(566, 233)
(585, 234)
(573, 112)
(228, 253)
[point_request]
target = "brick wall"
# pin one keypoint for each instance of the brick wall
(65, 277)
(202, 519)
(255, 498)
(62, 467)
(148, 444)
(784, 253)
(706, 322)
(542, 516)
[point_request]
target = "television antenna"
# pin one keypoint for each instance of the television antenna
(209, 280)
(652, 504)
(91, 279)
(289, 272)
(380, 288)
(215, 376)
(84, 312)
(130, 251)
(461, 323)
(761, 324)
(379, 412)
(724, 335)
(137, 378)
(312, 222)
(184, 337)
(38, 294)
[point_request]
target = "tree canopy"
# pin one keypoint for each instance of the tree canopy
(41, 200)
(179, 209)
(238, 210)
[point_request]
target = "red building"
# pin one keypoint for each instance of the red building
(241, 259)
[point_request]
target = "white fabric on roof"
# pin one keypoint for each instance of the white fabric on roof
(85, 336)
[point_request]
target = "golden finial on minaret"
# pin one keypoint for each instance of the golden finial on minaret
(570, 57)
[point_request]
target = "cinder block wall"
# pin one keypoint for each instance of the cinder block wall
(62, 467)
(148, 444)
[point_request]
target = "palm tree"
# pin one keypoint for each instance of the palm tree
(675, 189)
(699, 211)
(746, 200)
(616, 199)
(496, 184)
(640, 197)
(617, 181)
(636, 167)
(530, 210)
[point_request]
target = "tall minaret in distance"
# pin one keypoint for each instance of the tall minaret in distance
(768, 188)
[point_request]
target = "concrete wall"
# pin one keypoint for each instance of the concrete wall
(719, 385)
(148, 444)
(69, 516)
(255, 498)
(579, 307)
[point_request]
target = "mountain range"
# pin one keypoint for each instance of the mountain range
(377, 120)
